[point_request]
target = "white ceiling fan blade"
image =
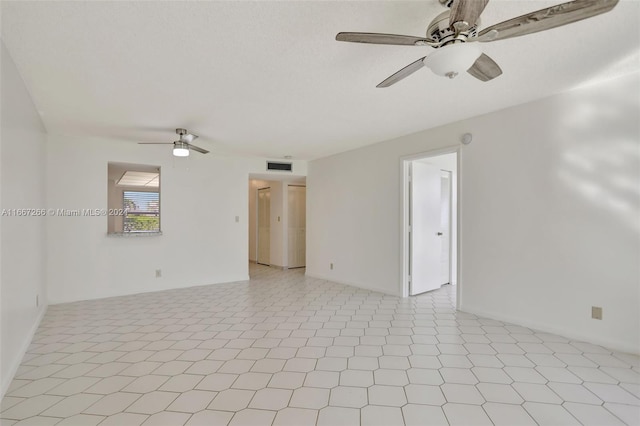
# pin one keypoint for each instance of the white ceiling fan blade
(155, 143)
(467, 11)
(546, 19)
(189, 137)
(404, 72)
(485, 68)
(377, 38)
(197, 148)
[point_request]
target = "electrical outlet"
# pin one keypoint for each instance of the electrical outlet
(37, 300)
(237, 219)
(331, 266)
(278, 218)
(158, 273)
(596, 312)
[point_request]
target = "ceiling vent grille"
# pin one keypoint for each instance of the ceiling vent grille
(281, 167)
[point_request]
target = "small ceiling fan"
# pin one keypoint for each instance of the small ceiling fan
(182, 146)
(454, 32)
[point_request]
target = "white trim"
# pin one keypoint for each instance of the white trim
(255, 252)
(404, 222)
(258, 221)
(405, 170)
(243, 278)
(6, 381)
(459, 205)
(617, 345)
(449, 175)
(350, 284)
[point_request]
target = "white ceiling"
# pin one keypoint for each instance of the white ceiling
(267, 78)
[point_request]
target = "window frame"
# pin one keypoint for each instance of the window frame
(150, 213)
(116, 196)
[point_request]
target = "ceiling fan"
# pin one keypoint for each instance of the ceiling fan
(454, 32)
(182, 146)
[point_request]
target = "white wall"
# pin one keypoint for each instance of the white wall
(22, 255)
(201, 242)
(549, 213)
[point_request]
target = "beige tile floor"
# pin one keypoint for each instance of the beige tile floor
(284, 349)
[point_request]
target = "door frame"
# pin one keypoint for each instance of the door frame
(450, 189)
(405, 162)
(258, 225)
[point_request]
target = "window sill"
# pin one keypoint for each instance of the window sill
(134, 234)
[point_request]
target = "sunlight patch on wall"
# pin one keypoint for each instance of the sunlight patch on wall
(628, 65)
(600, 159)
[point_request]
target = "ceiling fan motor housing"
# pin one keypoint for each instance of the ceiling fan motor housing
(440, 31)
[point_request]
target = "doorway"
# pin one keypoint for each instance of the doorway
(430, 216)
(277, 221)
(264, 226)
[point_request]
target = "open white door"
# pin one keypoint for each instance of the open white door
(264, 226)
(425, 233)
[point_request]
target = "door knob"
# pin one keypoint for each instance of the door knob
(440, 234)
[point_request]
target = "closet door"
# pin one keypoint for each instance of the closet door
(297, 215)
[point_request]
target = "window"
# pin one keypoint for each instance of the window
(141, 211)
(133, 199)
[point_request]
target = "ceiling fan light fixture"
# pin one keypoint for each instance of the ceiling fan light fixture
(451, 60)
(180, 149)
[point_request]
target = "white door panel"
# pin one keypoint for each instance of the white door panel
(426, 244)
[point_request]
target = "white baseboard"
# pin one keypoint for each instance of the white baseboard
(278, 267)
(621, 346)
(28, 338)
(351, 284)
(229, 280)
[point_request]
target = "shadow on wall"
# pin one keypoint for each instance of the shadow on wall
(601, 153)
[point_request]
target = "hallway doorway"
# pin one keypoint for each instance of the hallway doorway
(277, 221)
(430, 237)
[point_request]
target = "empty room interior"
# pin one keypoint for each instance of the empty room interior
(320, 213)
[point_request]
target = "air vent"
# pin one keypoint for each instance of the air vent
(283, 167)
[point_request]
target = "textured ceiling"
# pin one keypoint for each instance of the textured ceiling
(267, 78)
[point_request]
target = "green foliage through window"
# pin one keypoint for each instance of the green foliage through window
(142, 211)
